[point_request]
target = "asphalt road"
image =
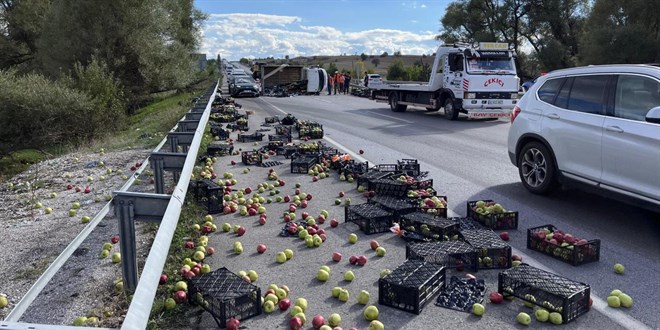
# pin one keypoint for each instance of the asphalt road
(468, 161)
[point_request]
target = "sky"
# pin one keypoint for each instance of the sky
(277, 28)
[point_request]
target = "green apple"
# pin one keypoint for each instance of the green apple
(302, 303)
(80, 321)
(380, 251)
(272, 297)
(352, 238)
(556, 318)
(199, 255)
(253, 275)
(281, 293)
(84, 219)
(371, 313)
(116, 257)
(207, 269)
(92, 321)
(336, 291)
(295, 310)
(613, 301)
(181, 286)
(53, 195)
(170, 303)
(242, 273)
(309, 241)
(226, 227)
(75, 205)
(363, 297)
(516, 263)
(349, 276)
(104, 254)
(344, 295)
(38, 205)
(325, 327)
(303, 233)
(280, 257)
(326, 268)
(626, 300)
(48, 210)
(347, 201)
(337, 201)
(322, 275)
(334, 320)
(238, 249)
(376, 325)
(269, 306)
(523, 318)
(107, 246)
(478, 309)
(615, 292)
(288, 253)
(542, 315)
(385, 272)
(619, 269)
(317, 240)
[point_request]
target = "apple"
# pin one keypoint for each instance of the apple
(322, 275)
(496, 298)
(363, 297)
(336, 257)
(69, 187)
(295, 323)
(284, 304)
(295, 311)
(541, 315)
(48, 210)
(180, 297)
(280, 257)
(170, 303)
(352, 260)
(288, 253)
(374, 244)
(347, 201)
(523, 318)
(504, 235)
(342, 194)
(376, 325)
(104, 254)
(116, 257)
(302, 303)
(78, 189)
(352, 238)
(337, 201)
(114, 239)
(181, 286)
(516, 257)
(336, 291)
(478, 309)
(349, 276)
(556, 318)
(371, 313)
(233, 324)
(210, 250)
(361, 260)
(241, 231)
(163, 279)
(253, 276)
(318, 321)
(206, 269)
(385, 272)
(80, 321)
(269, 306)
(334, 320)
(85, 219)
(619, 268)
(261, 248)
(380, 251)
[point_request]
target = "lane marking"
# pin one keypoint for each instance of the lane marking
(391, 117)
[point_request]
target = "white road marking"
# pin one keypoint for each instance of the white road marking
(391, 117)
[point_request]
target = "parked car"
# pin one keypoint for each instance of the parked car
(374, 78)
(243, 87)
(595, 125)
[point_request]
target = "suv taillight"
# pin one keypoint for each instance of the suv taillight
(514, 113)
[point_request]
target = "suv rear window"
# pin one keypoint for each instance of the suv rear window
(587, 94)
(549, 90)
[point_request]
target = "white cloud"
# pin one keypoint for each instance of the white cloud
(257, 35)
(422, 6)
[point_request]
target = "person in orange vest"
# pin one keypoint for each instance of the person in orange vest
(339, 82)
(331, 79)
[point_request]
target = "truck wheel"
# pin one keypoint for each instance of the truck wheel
(394, 103)
(451, 112)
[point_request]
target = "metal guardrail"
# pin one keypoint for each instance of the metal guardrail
(140, 308)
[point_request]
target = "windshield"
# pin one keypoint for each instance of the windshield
(243, 81)
(490, 65)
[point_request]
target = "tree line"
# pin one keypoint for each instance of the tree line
(72, 70)
(560, 33)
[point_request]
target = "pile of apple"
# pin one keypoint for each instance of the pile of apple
(319, 171)
(485, 208)
(350, 179)
(560, 244)
(432, 204)
(420, 193)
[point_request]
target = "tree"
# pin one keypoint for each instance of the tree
(384, 54)
(21, 24)
(363, 57)
(332, 68)
(375, 62)
(397, 71)
(397, 53)
(244, 61)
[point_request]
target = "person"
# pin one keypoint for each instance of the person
(366, 79)
(347, 83)
(330, 84)
(339, 82)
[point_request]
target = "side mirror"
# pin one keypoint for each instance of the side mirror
(653, 116)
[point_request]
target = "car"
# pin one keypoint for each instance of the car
(244, 87)
(374, 78)
(528, 84)
(598, 126)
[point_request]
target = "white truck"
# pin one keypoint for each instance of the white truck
(479, 80)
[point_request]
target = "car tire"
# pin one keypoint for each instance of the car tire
(536, 167)
(451, 112)
(394, 103)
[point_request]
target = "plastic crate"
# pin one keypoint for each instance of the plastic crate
(219, 149)
(209, 195)
(286, 138)
(389, 168)
(272, 120)
(549, 291)
(287, 151)
(388, 187)
(273, 146)
(577, 254)
(251, 157)
(219, 132)
(283, 130)
(370, 218)
(409, 167)
(354, 168)
(366, 178)
(303, 163)
(461, 293)
(451, 254)
(433, 210)
(397, 206)
(411, 285)
(254, 137)
(223, 117)
(497, 221)
(427, 225)
(225, 295)
(493, 252)
(310, 132)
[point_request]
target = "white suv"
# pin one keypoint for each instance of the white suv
(598, 125)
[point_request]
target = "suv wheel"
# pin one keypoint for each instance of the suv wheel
(536, 167)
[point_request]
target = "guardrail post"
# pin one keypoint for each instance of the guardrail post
(183, 139)
(194, 115)
(166, 161)
(131, 206)
(187, 125)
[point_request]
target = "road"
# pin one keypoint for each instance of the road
(467, 160)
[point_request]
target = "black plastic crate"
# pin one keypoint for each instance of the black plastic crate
(388, 187)
(254, 137)
(497, 221)
(370, 218)
(286, 138)
(273, 146)
(209, 195)
(409, 167)
(251, 157)
(397, 206)
(311, 132)
(461, 293)
(366, 178)
(219, 149)
(468, 223)
(493, 252)
(225, 295)
(580, 252)
(219, 132)
(545, 289)
(389, 168)
(355, 168)
(411, 285)
(287, 151)
(272, 120)
(451, 254)
(283, 130)
(238, 127)
(223, 117)
(303, 163)
(427, 225)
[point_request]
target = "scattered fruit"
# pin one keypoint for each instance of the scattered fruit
(523, 318)
(371, 313)
(619, 269)
(478, 309)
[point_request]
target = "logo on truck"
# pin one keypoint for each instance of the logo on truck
(494, 81)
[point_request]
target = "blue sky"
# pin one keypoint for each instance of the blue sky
(251, 28)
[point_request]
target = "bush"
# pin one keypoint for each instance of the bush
(39, 113)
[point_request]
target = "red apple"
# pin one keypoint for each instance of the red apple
(295, 323)
(284, 304)
(114, 239)
(292, 208)
(297, 191)
(226, 209)
(252, 212)
(78, 189)
(69, 186)
(496, 298)
(233, 162)
(262, 221)
(248, 190)
(323, 236)
(305, 215)
(189, 245)
(336, 257)
(342, 194)
(163, 279)
(196, 270)
(293, 229)
(309, 197)
(241, 231)
(320, 231)
(287, 198)
(504, 235)
(138, 164)
(311, 230)
(210, 250)
(318, 321)
(180, 297)
(269, 291)
(374, 244)
(361, 151)
(261, 248)
(303, 204)
(315, 178)
(320, 219)
(361, 260)
(233, 324)
(133, 168)
(516, 257)
(352, 260)
(334, 223)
